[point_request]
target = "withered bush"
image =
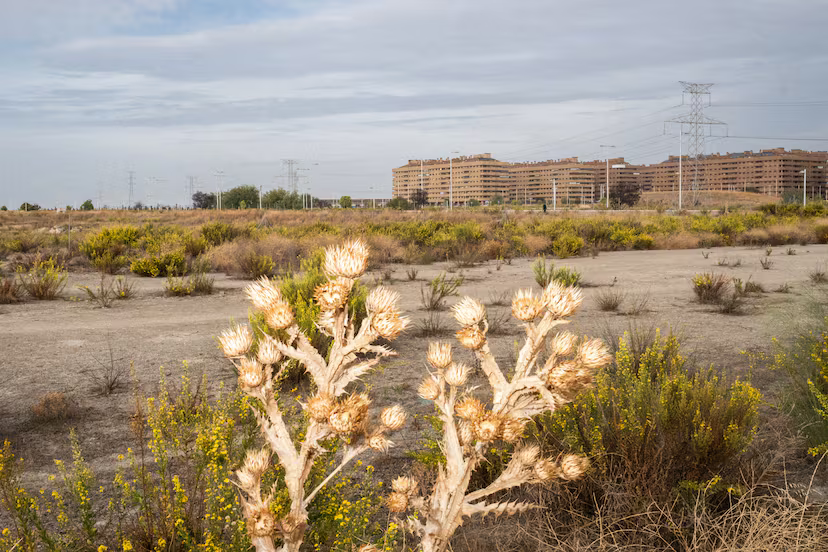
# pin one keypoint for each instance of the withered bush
(53, 406)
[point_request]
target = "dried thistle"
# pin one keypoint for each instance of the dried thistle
(532, 388)
(331, 412)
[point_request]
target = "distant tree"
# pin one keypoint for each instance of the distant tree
(138, 206)
(232, 198)
(473, 203)
(203, 200)
(496, 199)
(345, 202)
(243, 204)
(627, 193)
(70, 208)
(26, 206)
(400, 204)
(4, 208)
(87, 205)
(419, 198)
(282, 199)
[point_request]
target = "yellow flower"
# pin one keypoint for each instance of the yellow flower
(127, 545)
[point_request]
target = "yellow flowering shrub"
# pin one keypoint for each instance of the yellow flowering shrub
(651, 418)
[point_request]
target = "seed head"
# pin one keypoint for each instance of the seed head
(333, 294)
(569, 378)
(573, 466)
(260, 522)
(393, 417)
(429, 389)
(279, 316)
(487, 428)
(469, 408)
(388, 324)
(257, 461)
(236, 341)
(251, 373)
(320, 407)
(471, 337)
(563, 343)
(562, 301)
(379, 442)
(404, 485)
(525, 306)
(594, 354)
(347, 261)
(545, 469)
(457, 374)
(397, 502)
(469, 311)
(382, 299)
(527, 454)
(513, 429)
(342, 421)
(247, 479)
(349, 416)
(439, 354)
(263, 294)
(267, 353)
(326, 321)
(465, 432)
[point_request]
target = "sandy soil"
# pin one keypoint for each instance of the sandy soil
(52, 345)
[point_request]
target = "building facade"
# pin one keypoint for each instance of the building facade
(573, 182)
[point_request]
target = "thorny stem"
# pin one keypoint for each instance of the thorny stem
(350, 455)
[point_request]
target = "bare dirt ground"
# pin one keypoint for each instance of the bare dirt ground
(53, 345)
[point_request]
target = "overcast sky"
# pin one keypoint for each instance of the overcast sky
(92, 89)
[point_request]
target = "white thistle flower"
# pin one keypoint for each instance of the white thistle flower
(236, 341)
(381, 299)
(393, 417)
(525, 306)
(346, 261)
(439, 355)
(263, 293)
(457, 374)
(469, 311)
(267, 352)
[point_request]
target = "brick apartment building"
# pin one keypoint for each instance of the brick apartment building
(570, 181)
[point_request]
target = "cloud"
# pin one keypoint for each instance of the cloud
(177, 87)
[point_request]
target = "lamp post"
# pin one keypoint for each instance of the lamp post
(679, 168)
(607, 158)
(451, 181)
(805, 184)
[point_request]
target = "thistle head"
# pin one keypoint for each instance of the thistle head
(469, 408)
(319, 408)
(379, 442)
(465, 432)
(572, 467)
(257, 461)
(279, 316)
(569, 378)
(563, 343)
(545, 469)
(562, 301)
(346, 261)
(429, 389)
(439, 355)
(487, 427)
(469, 311)
(236, 341)
(349, 416)
(404, 485)
(267, 352)
(397, 502)
(525, 306)
(527, 454)
(388, 324)
(513, 429)
(251, 373)
(393, 417)
(594, 354)
(248, 480)
(457, 374)
(333, 294)
(382, 299)
(263, 293)
(471, 337)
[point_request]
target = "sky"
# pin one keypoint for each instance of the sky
(225, 90)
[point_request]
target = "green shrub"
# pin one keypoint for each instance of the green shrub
(253, 265)
(651, 419)
(567, 276)
(173, 263)
(216, 233)
(45, 280)
(567, 245)
(109, 249)
(178, 287)
(545, 274)
(710, 287)
(193, 246)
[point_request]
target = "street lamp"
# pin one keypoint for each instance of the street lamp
(607, 158)
(805, 184)
(451, 181)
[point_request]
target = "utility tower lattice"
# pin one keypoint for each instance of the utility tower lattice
(293, 184)
(696, 120)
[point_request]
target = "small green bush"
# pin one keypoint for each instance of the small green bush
(216, 233)
(253, 265)
(45, 280)
(652, 419)
(108, 250)
(173, 263)
(710, 287)
(567, 245)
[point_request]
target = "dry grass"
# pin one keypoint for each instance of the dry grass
(609, 299)
(53, 406)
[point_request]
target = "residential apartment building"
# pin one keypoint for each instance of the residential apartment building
(570, 181)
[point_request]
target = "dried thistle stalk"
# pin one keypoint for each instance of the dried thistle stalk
(469, 425)
(331, 411)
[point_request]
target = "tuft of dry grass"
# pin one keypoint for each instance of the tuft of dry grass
(10, 290)
(609, 299)
(53, 406)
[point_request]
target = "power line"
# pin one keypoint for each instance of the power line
(777, 138)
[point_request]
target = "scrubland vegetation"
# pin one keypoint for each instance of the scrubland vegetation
(570, 443)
